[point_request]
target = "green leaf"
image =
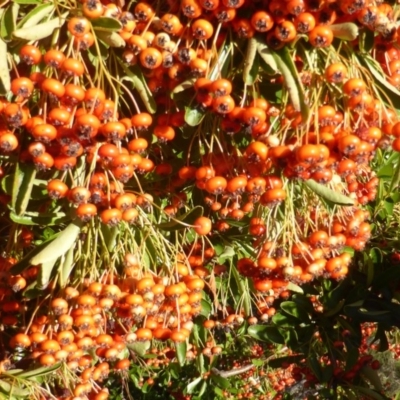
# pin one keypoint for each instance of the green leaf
(292, 308)
(140, 348)
(315, 366)
(352, 355)
(202, 389)
(184, 85)
(36, 218)
(290, 337)
(135, 75)
(380, 80)
(4, 71)
(67, 265)
(372, 394)
(36, 15)
(45, 272)
(267, 333)
(28, 1)
(283, 320)
(361, 314)
(193, 116)
(14, 390)
(110, 235)
(205, 308)
(250, 68)
(286, 66)
(60, 245)
(282, 361)
(367, 40)
(14, 371)
(345, 31)
(24, 177)
(8, 21)
(181, 349)
(328, 194)
(294, 288)
(26, 261)
(386, 171)
(221, 62)
(40, 31)
(112, 39)
(187, 218)
(335, 309)
(372, 376)
(107, 24)
(266, 55)
(42, 371)
(228, 252)
(192, 385)
(220, 381)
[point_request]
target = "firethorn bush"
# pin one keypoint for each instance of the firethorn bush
(199, 199)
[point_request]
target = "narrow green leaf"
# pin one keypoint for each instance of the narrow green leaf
(181, 349)
(36, 15)
(40, 31)
(281, 361)
(192, 385)
(110, 235)
(45, 272)
(28, 1)
(14, 371)
(112, 39)
(134, 74)
(7, 21)
(380, 80)
(352, 355)
(372, 394)
(193, 116)
(222, 60)
(367, 40)
(335, 309)
(7, 183)
(36, 218)
(67, 266)
(394, 182)
(39, 371)
(202, 389)
(267, 56)
(4, 71)
(60, 245)
(107, 24)
(315, 366)
(25, 263)
(329, 194)
(286, 66)
(22, 187)
(345, 31)
(184, 85)
(248, 70)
